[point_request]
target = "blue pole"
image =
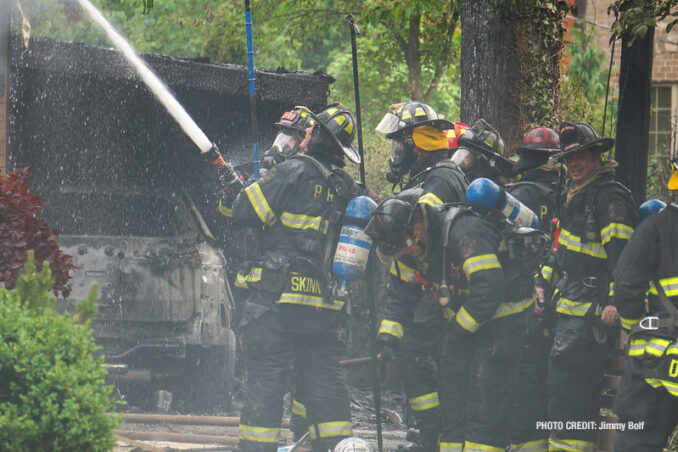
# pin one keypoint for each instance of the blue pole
(253, 99)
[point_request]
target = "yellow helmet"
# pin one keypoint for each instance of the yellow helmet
(673, 182)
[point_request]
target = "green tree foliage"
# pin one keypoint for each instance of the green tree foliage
(634, 17)
(52, 393)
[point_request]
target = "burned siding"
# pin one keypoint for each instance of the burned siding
(80, 117)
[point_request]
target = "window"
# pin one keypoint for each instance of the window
(663, 117)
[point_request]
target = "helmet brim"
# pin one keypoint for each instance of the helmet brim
(442, 124)
(597, 146)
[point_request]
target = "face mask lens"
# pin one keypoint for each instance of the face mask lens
(464, 159)
(398, 153)
(286, 143)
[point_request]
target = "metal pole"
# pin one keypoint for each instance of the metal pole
(607, 87)
(253, 98)
(369, 277)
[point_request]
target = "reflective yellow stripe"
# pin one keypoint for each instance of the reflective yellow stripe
(506, 309)
(392, 328)
(571, 445)
(627, 323)
(478, 263)
(332, 429)
(450, 447)
(547, 273)
(671, 387)
(672, 350)
(298, 408)
(224, 210)
(424, 402)
(573, 308)
(611, 291)
(259, 434)
(477, 447)
(656, 346)
(309, 300)
(300, 221)
(615, 230)
(466, 321)
(406, 273)
(448, 313)
(654, 382)
(539, 445)
(637, 346)
(260, 205)
(431, 199)
(670, 286)
(574, 243)
(253, 276)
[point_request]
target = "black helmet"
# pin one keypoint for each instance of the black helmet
(412, 114)
(341, 125)
(488, 144)
(293, 125)
(392, 221)
(578, 137)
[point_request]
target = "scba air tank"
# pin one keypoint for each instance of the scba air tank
(486, 194)
(650, 207)
(353, 248)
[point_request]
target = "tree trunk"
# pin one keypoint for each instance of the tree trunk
(633, 122)
(490, 72)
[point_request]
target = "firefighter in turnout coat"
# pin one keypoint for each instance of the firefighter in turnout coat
(596, 222)
(647, 398)
(290, 319)
(539, 181)
(420, 148)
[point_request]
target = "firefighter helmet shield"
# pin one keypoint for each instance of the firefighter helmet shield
(410, 115)
(300, 118)
(340, 124)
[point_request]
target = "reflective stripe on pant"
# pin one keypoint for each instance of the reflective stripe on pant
(271, 346)
(478, 374)
(418, 366)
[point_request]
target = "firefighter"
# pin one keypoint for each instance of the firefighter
(647, 398)
(540, 180)
(420, 150)
(458, 253)
(293, 125)
(596, 221)
(290, 319)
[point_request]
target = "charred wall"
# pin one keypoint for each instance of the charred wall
(80, 117)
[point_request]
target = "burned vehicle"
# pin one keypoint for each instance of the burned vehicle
(164, 302)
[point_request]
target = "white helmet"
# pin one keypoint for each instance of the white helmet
(353, 444)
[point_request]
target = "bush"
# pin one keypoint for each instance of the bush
(52, 393)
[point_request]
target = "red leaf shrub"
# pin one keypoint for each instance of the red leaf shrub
(21, 229)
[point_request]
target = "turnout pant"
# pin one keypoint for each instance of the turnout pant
(575, 371)
(310, 342)
(649, 413)
(531, 399)
(418, 367)
(478, 375)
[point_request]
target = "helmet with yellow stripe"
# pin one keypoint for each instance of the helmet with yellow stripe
(341, 125)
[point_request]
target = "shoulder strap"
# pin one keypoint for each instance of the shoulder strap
(441, 164)
(670, 308)
(326, 173)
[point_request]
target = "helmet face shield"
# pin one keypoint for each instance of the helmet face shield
(388, 124)
(286, 143)
(465, 159)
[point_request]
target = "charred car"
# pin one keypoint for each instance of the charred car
(164, 302)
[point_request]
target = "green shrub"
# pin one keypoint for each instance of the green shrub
(52, 392)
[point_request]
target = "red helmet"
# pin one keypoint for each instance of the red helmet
(454, 134)
(540, 138)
